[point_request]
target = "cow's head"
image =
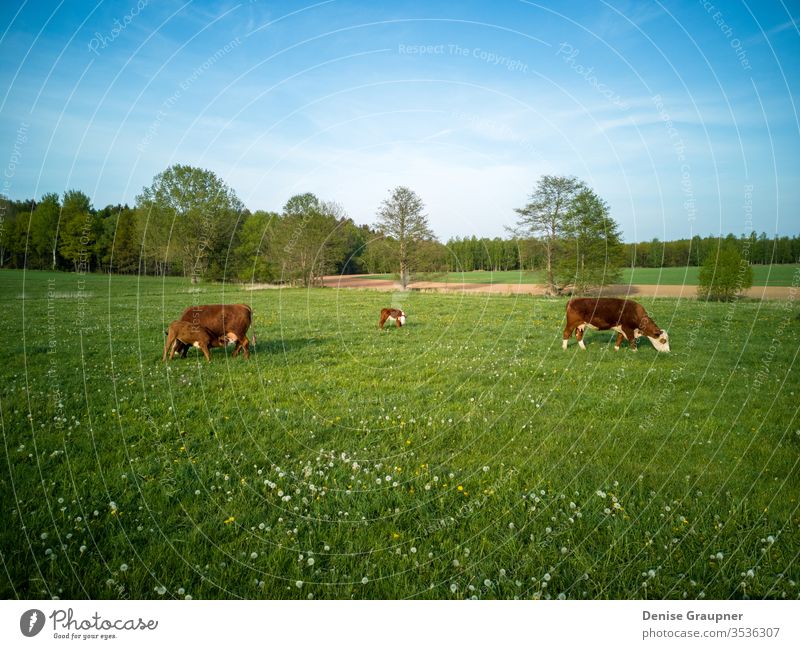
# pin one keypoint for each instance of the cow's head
(658, 337)
(661, 341)
(402, 318)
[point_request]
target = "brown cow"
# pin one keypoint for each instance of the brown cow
(229, 321)
(393, 315)
(627, 318)
(188, 335)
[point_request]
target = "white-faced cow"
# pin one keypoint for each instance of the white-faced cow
(627, 318)
(392, 315)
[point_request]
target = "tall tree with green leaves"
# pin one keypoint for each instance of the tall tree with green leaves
(77, 231)
(591, 253)
(309, 240)
(44, 230)
(254, 257)
(121, 247)
(724, 274)
(402, 220)
(202, 212)
(547, 217)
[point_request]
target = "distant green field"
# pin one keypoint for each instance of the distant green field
(462, 456)
(778, 275)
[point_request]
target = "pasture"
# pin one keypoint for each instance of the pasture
(776, 275)
(464, 455)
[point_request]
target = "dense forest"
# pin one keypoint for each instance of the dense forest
(188, 222)
(511, 254)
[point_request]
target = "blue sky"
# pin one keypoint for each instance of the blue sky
(678, 114)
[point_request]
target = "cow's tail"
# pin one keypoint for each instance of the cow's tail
(253, 337)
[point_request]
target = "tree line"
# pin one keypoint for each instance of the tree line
(496, 254)
(189, 222)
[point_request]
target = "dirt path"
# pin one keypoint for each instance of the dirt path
(640, 290)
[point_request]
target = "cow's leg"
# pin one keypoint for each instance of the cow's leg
(382, 320)
(170, 340)
(397, 323)
(204, 348)
(630, 334)
(175, 344)
(242, 345)
(182, 349)
(620, 338)
(567, 333)
(231, 337)
(579, 336)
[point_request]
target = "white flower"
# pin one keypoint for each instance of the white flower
(254, 555)
(413, 550)
(299, 583)
(601, 493)
(453, 588)
(310, 561)
(161, 590)
(651, 573)
(751, 573)
(364, 580)
(546, 576)
(718, 556)
(487, 582)
(456, 563)
(564, 551)
(124, 567)
(770, 539)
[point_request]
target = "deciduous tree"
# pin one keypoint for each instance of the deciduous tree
(402, 220)
(546, 217)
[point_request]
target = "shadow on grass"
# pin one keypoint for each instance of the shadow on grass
(282, 345)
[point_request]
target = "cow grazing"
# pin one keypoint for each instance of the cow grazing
(392, 315)
(224, 321)
(188, 335)
(627, 318)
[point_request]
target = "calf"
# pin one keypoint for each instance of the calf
(229, 321)
(627, 318)
(392, 315)
(190, 335)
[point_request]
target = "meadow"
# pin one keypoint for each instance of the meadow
(776, 275)
(462, 456)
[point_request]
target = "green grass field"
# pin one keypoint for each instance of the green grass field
(465, 455)
(778, 275)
